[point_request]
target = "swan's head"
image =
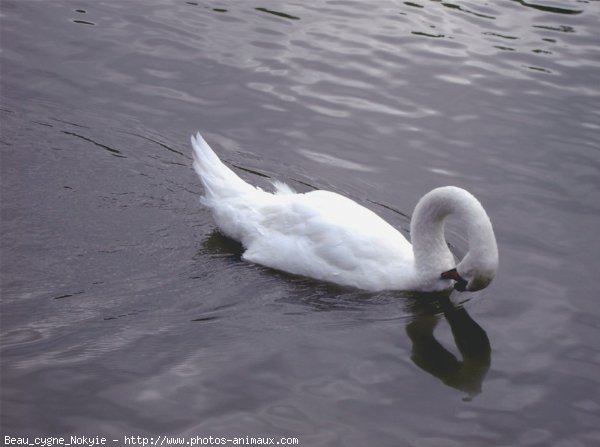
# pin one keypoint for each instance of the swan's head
(478, 268)
(476, 271)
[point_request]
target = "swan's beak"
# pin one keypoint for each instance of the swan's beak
(461, 283)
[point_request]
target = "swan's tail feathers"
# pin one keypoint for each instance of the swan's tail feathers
(219, 181)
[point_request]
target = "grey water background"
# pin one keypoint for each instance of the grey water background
(123, 312)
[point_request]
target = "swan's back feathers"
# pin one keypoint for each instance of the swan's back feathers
(324, 235)
(319, 234)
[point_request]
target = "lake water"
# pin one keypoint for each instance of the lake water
(124, 313)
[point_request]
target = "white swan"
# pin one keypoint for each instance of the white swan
(323, 235)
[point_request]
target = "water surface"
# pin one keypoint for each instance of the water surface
(123, 312)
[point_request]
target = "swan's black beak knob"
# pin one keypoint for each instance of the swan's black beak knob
(460, 283)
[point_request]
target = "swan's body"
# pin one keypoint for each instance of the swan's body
(326, 236)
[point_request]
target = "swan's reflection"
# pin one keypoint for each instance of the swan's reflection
(425, 309)
(471, 340)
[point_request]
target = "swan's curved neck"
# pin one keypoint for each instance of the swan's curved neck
(427, 227)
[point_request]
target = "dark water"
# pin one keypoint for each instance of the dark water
(124, 313)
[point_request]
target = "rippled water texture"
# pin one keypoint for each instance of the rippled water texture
(124, 312)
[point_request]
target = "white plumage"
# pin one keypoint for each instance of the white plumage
(326, 236)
